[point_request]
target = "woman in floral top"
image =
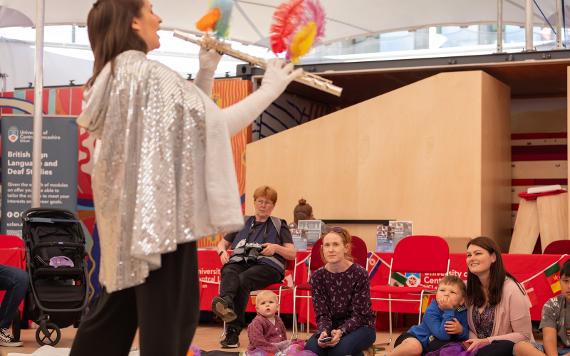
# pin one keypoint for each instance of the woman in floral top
(341, 297)
(498, 309)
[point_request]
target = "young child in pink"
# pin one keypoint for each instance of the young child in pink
(266, 332)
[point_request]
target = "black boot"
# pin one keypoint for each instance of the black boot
(232, 338)
(223, 309)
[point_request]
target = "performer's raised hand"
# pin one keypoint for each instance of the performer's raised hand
(209, 59)
(278, 75)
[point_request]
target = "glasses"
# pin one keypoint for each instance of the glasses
(263, 202)
(337, 229)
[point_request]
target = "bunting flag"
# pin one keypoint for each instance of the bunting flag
(373, 264)
(545, 284)
(413, 279)
(426, 301)
(398, 279)
(552, 274)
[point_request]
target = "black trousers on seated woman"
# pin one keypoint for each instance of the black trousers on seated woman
(496, 348)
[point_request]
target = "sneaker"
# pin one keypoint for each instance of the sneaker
(223, 310)
(6, 339)
(232, 339)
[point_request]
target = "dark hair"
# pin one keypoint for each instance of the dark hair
(110, 32)
(454, 281)
(497, 275)
(346, 238)
(565, 271)
(302, 211)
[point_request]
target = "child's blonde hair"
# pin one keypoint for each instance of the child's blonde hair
(264, 295)
(455, 281)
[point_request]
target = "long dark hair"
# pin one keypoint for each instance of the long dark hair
(110, 32)
(497, 275)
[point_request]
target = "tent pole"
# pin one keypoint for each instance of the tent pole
(38, 105)
(528, 27)
(499, 26)
(559, 24)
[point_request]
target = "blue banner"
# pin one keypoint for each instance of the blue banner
(59, 167)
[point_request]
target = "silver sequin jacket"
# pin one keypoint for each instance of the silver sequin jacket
(164, 172)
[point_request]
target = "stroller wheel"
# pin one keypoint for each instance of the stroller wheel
(48, 334)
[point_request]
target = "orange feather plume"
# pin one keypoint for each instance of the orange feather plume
(208, 21)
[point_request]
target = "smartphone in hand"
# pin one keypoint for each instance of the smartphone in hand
(326, 339)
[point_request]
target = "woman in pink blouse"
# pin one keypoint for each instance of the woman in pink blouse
(498, 309)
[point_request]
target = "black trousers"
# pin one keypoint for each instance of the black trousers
(165, 309)
(497, 348)
(239, 279)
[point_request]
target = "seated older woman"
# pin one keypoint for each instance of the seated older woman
(258, 260)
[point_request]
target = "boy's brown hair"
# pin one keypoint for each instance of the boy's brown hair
(565, 270)
(264, 295)
(455, 281)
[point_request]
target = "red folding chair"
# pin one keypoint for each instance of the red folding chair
(417, 254)
(13, 246)
(359, 253)
(285, 284)
(558, 247)
(11, 241)
(315, 262)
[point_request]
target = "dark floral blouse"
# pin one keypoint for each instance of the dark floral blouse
(484, 321)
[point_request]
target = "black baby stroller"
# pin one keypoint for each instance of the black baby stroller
(55, 255)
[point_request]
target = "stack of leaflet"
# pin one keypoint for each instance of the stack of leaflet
(313, 229)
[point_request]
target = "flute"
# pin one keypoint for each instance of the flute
(309, 79)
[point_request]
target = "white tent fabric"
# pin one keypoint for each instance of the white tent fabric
(345, 18)
(17, 60)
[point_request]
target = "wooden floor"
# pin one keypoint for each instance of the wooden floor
(207, 338)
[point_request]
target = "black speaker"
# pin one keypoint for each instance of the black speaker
(243, 69)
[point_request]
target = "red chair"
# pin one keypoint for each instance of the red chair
(417, 254)
(290, 269)
(12, 253)
(558, 247)
(11, 241)
(315, 262)
(359, 253)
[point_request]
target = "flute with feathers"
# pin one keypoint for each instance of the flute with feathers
(207, 42)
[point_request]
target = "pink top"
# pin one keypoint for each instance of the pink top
(264, 335)
(512, 316)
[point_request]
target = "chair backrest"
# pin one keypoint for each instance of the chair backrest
(11, 241)
(359, 251)
(290, 265)
(421, 253)
(558, 247)
(316, 259)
